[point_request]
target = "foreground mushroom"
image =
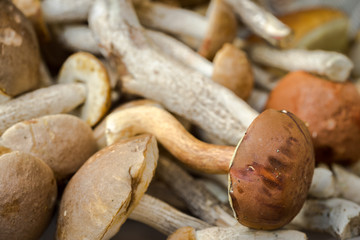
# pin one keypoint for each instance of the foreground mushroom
(266, 165)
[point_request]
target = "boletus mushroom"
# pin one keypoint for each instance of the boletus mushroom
(270, 170)
(331, 110)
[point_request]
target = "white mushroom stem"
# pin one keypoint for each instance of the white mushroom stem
(263, 78)
(155, 76)
(4, 97)
(261, 22)
(333, 65)
(215, 189)
(348, 184)
(258, 99)
(336, 216)
(163, 217)
(236, 232)
(355, 167)
(199, 200)
(323, 184)
(60, 98)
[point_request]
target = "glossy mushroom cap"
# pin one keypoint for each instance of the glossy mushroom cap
(271, 171)
(331, 110)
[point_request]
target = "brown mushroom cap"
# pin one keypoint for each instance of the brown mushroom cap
(222, 27)
(331, 110)
(104, 191)
(64, 142)
(19, 55)
(27, 196)
(271, 171)
(232, 69)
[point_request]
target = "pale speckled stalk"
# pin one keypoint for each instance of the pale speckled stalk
(155, 76)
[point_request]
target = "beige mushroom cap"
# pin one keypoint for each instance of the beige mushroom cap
(19, 55)
(85, 67)
(222, 28)
(27, 196)
(106, 189)
(63, 142)
(232, 69)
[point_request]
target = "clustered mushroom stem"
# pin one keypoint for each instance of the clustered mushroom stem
(160, 78)
(336, 216)
(59, 98)
(333, 65)
(261, 22)
(163, 217)
(346, 182)
(199, 200)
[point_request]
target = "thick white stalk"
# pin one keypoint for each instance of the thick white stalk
(65, 10)
(158, 77)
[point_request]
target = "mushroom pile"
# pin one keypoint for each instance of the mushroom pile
(203, 119)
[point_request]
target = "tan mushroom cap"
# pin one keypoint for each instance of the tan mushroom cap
(62, 141)
(19, 55)
(318, 28)
(86, 68)
(232, 69)
(271, 171)
(184, 233)
(27, 197)
(222, 28)
(106, 189)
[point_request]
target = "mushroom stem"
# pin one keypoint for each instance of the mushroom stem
(346, 183)
(263, 78)
(336, 216)
(155, 76)
(65, 10)
(323, 184)
(163, 217)
(131, 121)
(199, 200)
(60, 98)
(261, 22)
(333, 65)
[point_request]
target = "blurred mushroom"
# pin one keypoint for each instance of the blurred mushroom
(63, 142)
(333, 65)
(20, 55)
(27, 196)
(355, 56)
(212, 31)
(331, 110)
(254, 174)
(83, 79)
(235, 232)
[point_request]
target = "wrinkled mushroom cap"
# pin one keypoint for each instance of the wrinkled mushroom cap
(331, 110)
(222, 28)
(271, 171)
(102, 194)
(62, 141)
(19, 55)
(232, 69)
(27, 196)
(85, 67)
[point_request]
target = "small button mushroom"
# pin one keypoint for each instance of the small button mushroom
(331, 110)
(27, 197)
(63, 142)
(84, 80)
(273, 163)
(20, 55)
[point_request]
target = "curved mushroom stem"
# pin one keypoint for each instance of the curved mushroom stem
(335, 66)
(336, 216)
(178, 88)
(131, 121)
(261, 22)
(162, 216)
(199, 201)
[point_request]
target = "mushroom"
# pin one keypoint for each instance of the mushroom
(324, 183)
(346, 183)
(229, 233)
(331, 110)
(83, 79)
(267, 171)
(355, 56)
(27, 197)
(20, 55)
(336, 216)
(211, 32)
(63, 142)
(333, 65)
(182, 90)
(109, 186)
